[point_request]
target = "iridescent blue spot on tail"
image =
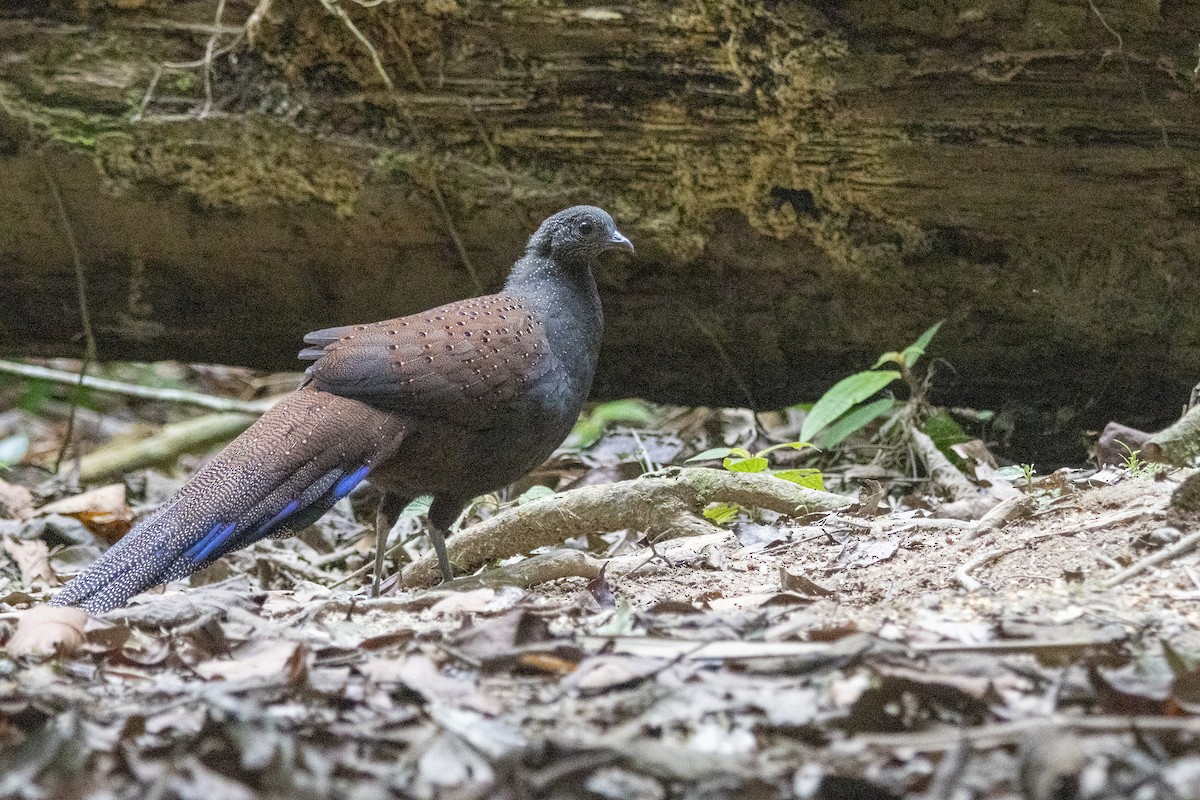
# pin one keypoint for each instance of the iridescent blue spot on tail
(210, 542)
(266, 527)
(346, 485)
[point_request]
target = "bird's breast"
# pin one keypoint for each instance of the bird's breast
(461, 462)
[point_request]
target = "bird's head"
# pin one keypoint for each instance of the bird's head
(578, 235)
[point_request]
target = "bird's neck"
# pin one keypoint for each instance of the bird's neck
(569, 305)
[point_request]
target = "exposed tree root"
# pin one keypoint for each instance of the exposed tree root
(532, 571)
(1177, 445)
(566, 563)
(667, 504)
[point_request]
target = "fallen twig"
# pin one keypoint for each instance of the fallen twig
(532, 571)
(962, 575)
(743, 650)
(889, 525)
(1000, 734)
(669, 504)
(1129, 515)
(1011, 509)
(182, 396)
(1182, 547)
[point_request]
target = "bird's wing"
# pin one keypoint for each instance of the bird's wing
(456, 362)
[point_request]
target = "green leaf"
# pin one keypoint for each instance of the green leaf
(752, 464)
(855, 420)
(84, 398)
(417, 507)
(1012, 472)
(590, 427)
(630, 412)
(808, 478)
(793, 445)
(709, 455)
(13, 449)
(722, 513)
(892, 357)
(1181, 664)
(37, 393)
(585, 434)
(945, 433)
(917, 348)
(535, 492)
(842, 396)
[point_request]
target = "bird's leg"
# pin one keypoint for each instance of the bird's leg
(442, 515)
(439, 545)
(390, 506)
(381, 534)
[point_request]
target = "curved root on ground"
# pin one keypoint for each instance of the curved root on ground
(667, 505)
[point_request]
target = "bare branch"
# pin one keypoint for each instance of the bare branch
(182, 396)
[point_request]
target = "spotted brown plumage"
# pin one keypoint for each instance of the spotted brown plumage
(453, 402)
(455, 362)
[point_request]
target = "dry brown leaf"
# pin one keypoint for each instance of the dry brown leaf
(103, 511)
(272, 660)
(547, 662)
(974, 686)
(865, 552)
(787, 599)
(799, 583)
(471, 602)
(598, 674)
(32, 557)
(505, 634)
(16, 502)
(48, 630)
(420, 674)
(975, 453)
(601, 589)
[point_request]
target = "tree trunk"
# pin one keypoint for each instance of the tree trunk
(807, 184)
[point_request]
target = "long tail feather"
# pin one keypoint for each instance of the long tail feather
(282, 474)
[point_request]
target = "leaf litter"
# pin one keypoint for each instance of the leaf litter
(838, 657)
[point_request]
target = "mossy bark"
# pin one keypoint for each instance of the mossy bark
(808, 184)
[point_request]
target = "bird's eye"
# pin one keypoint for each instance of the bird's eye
(585, 227)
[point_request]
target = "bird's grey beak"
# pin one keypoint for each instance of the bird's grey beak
(619, 242)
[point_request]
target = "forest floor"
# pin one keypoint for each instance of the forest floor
(877, 652)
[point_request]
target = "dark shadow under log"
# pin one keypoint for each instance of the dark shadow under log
(807, 185)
